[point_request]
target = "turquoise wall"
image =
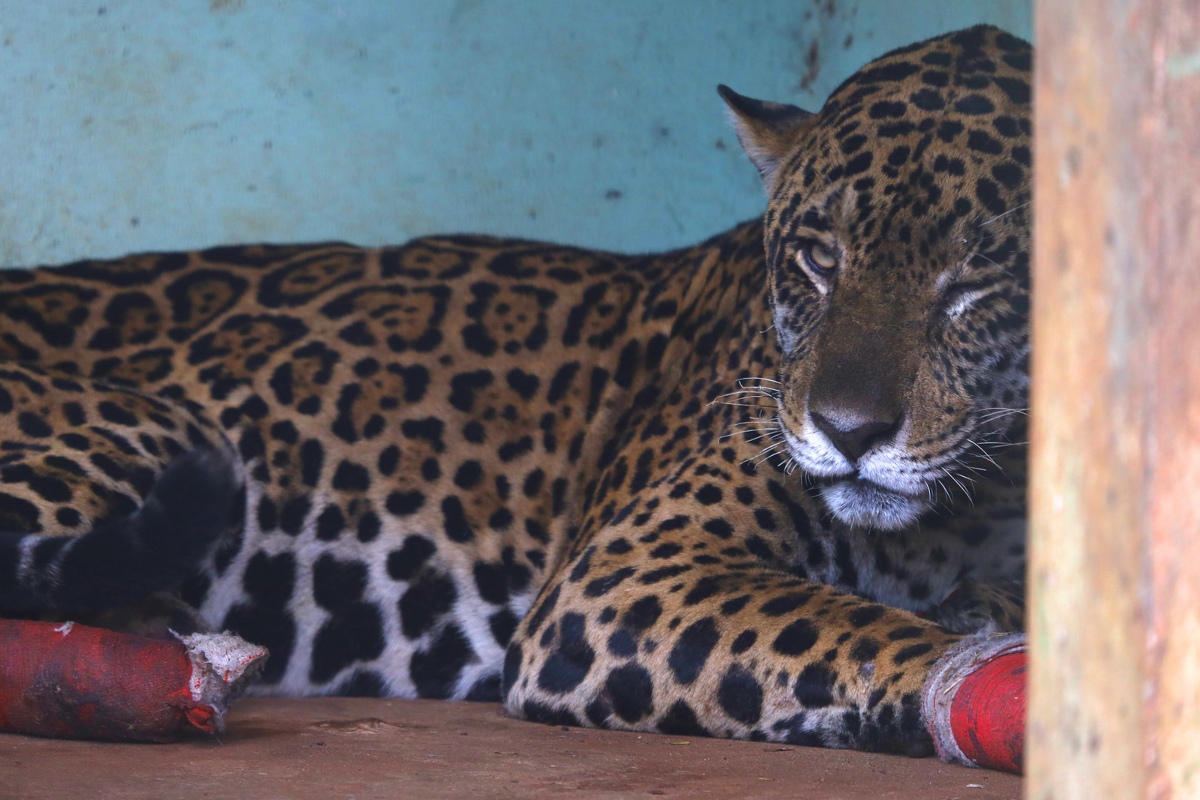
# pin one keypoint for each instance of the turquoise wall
(168, 124)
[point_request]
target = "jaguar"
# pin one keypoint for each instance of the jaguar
(759, 487)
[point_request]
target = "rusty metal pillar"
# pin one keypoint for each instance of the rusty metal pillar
(1115, 501)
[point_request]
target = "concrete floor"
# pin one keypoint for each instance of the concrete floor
(358, 748)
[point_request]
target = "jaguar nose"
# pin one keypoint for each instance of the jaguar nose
(854, 434)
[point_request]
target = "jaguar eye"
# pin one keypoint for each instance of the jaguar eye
(819, 258)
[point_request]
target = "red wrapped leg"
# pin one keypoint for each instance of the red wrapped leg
(974, 703)
(73, 681)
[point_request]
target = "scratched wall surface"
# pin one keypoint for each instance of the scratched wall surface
(127, 125)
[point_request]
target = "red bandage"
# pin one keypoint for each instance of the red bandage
(974, 703)
(988, 713)
(72, 681)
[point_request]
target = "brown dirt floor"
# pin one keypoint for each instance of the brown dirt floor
(357, 748)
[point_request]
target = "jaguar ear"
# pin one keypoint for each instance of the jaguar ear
(766, 130)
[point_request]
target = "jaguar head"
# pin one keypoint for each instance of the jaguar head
(897, 242)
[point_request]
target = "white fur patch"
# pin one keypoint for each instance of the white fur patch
(864, 505)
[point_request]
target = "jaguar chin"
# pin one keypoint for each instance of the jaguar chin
(861, 503)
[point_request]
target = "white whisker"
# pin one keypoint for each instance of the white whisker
(1012, 210)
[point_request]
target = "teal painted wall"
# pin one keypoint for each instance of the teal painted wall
(167, 124)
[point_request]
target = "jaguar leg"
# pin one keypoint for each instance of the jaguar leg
(733, 650)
